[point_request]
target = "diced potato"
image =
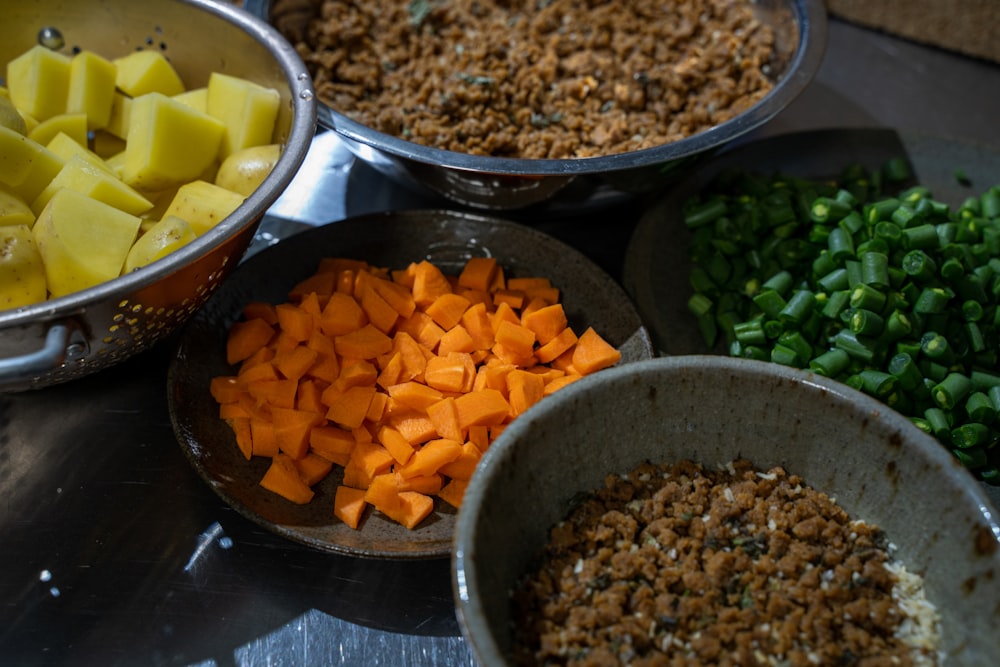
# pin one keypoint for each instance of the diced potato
(196, 99)
(142, 72)
(80, 175)
(83, 242)
(10, 117)
(106, 144)
(22, 274)
(120, 117)
(65, 147)
(14, 211)
(203, 205)
(72, 124)
(247, 109)
(38, 82)
(161, 239)
(168, 143)
(26, 166)
(91, 88)
(244, 171)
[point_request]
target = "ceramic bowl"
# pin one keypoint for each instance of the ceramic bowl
(713, 409)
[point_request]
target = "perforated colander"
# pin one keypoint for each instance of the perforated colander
(78, 334)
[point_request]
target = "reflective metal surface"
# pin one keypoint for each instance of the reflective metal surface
(114, 552)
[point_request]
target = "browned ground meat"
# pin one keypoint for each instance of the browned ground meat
(675, 565)
(534, 78)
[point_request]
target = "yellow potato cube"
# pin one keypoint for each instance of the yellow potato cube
(72, 124)
(244, 171)
(168, 143)
(203, 204)
(22, 274)
(158, 241)
(247, 109)
(10, 117)
(65, 147)
(106, 144)
(91, 88)
(97, 183)
(83, 242)
(196, 99)
(121, 116)
(26, 166)
(142, 72)
(38, 82)
(14, 211)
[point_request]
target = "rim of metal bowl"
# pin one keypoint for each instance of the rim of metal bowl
(810, 16)
(301, 131)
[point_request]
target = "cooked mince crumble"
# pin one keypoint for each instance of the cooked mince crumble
(533, 78)
(679, 565)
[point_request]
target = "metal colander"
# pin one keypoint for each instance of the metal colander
(78, 334)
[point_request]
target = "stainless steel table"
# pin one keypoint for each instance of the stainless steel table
(114, 552)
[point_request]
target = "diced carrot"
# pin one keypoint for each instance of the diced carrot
(415, 508)
(453, 372)
(342, 315)
(524, 390)
(244, 436)
(318, 283)
(395, 443)
(517, 339)
(296, 362)
(503, 313)
(262, 356)
(392, 372)
(292, 430)
(412, 357)
(456, 339)
(478, 273)
(431, 456)
(294, 321)
(479, 435)
(396, 295)
(414, 395)
(427, 484)
(592, 353)
(447, 309)
(476, 321)
(232, 410)
(282, 478)
(508, 297)
(463, 466)
(310, 304)
(546, 323)
(484, 407)
(558, 383)
(367, 342)
(356, 373)
(225, 388)
(429, 283)
(264, 442)
(453, 491)
(326, 368)
(563, 341)
(279, 393)
(350, 406)
(380, 312)
(368, 459)
(376, 409)
(417, 428)
(309, 396)
(383, 494)
(313, 468)
(260, 310)
(513, 356)
(548, 295)
(245, 338)
(332, 443)
(349, 505)
(444, 417)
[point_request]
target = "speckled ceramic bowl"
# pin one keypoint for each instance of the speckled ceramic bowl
(714, 409)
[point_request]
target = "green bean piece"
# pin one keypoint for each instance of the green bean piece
(922, 424)
(830, 363)
(770, 302)
(851, 222)
(875, 269)
(856, 347)
(972, 458)
(781, 282)
(836, 303)
(979, 408)
(970, 434)
(990, 475)
(919, 265)
(972, 311)
(841, 245)
(990, 203)
(897, 326)
(920, 237)
(974, 337)
(951, 391)
(904, 367)
(827, 209)
(866, 322)
(935, 346)
(879, 210)
(786, 356)
(867, 297)
(798, 308)
(705, 213)
(879, 383)
(834, 280)
(932, 300)
(750, 332)
(984, 380)
(939, 422)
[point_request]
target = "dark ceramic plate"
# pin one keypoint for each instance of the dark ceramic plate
(656, 266)
(391, 240)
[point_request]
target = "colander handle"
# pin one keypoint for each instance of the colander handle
(29, 365)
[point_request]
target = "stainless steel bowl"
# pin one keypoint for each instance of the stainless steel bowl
(507, 183)
(77, 334)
